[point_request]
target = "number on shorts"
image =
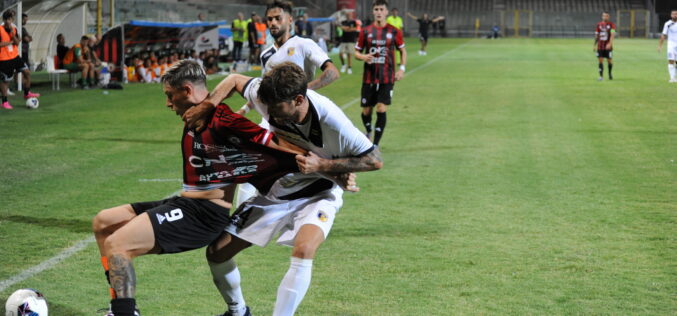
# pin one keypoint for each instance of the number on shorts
(174, 215)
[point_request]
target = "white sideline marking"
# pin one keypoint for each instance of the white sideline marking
(430, 62)
(82, 244)
(51, 262)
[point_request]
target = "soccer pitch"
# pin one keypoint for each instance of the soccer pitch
(514, 183)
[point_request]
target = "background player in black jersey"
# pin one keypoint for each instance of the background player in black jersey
(423, 26)
(197, 217)
(379, 41)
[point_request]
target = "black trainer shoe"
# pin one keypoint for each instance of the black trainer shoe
(246, 313)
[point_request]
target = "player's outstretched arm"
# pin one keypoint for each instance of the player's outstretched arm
(329, 75)
(660, 42)
(412, 16)
(197, 117)
(311, 163)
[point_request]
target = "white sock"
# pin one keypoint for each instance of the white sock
(293, 287)
(672, 70)
(227, 279)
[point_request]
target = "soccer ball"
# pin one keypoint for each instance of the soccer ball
(26, 302)
(32, 103)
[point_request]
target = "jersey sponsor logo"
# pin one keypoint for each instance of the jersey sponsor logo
(378, 42)
(291, 51)
(238, 171)
(199, 162)
(389, 36)
(212, 148)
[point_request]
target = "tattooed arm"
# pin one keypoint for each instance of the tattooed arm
(314, 163)
(329, 75)
(122, 276)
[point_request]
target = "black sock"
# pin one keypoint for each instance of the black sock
(610, 67)
(380, 126)
(123, 306)
(4, 98)
(601, 69)
(366, 120)
(26, 90)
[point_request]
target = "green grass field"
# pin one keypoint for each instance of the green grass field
(514, 183)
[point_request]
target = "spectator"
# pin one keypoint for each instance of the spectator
(303, 27)
(347, 47)
(239, 28)
(76, 59)
(93, 57)
(61, 49)
(26, 39)
(253, 39)
(144, 71)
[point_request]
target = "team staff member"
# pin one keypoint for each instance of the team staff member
(10, 61)
(379, 42)
(239, 35)
(76, 60)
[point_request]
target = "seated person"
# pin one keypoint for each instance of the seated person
(76, 60)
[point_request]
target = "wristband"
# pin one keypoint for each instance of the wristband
(403, 68)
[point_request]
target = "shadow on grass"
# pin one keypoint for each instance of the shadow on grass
(73, 225)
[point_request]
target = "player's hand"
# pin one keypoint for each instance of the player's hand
(399, 75)
(241, 112)
(197, 117)
(347, 181)
(309, 163)
(369, 58)
(608, 46)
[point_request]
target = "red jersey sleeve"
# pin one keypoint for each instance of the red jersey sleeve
(361, 41)
(228, 122)
(399, 39)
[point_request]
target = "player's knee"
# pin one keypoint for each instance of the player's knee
(100, 222)
(304, 250)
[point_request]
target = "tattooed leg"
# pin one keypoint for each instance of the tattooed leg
(133, 239)
(122, 276)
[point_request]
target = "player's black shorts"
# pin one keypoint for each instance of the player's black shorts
(182, 224)
(605, 53)
(376, 93)
(423, 36)
(8, 67)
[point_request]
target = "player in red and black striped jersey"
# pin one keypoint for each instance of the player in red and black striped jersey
(379, 41)
(230, 150)
(605, 32)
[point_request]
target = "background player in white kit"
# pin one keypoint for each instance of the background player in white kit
(304, 52)
(670, 32)
(301, 207)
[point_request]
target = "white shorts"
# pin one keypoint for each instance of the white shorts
(672, 52)
(260, 219)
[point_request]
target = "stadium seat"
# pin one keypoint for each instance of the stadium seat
(55, 74)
